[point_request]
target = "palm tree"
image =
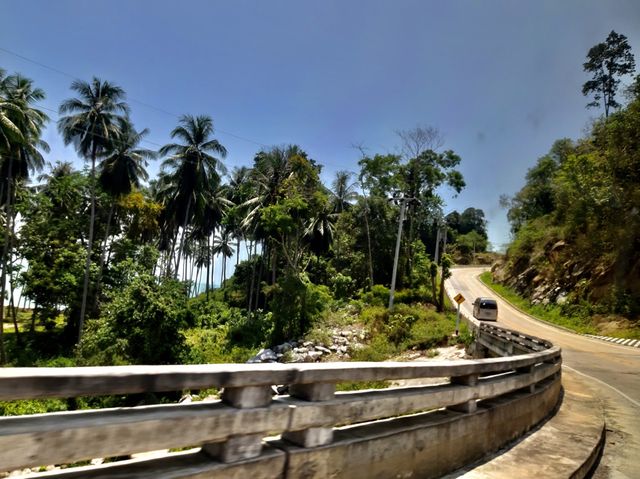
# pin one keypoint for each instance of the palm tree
(192, 169)
(320, 230)
(343, 191)
(239, 190)
(91, 124)
(21, 127)
(271, 169)
(222, 245)
(9, 132)
(121, 171)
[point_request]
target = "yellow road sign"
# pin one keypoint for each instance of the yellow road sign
(459, 298)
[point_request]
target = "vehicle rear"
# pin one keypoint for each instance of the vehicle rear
(485, 309)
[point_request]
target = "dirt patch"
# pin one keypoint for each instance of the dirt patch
(609, 325)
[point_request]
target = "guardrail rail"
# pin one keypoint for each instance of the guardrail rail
(238, 434)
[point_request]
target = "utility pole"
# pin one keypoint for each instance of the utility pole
(441, 235)
(403, 206)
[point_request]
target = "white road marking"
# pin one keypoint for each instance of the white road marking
(633, 401)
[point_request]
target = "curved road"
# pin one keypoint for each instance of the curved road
(613, 371)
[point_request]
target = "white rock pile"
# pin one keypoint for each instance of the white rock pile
(343, 343)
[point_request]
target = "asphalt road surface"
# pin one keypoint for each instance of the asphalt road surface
(613, 372)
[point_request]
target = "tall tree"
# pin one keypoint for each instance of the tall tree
(91, 123)
(419, 139)
(193, 166)
(222, 246)
(21, 126)
(343, 190)
(120, 171)
(607, 62)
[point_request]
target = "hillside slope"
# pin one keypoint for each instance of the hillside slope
(576, 223)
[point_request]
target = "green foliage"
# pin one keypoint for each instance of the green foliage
(251, 331)
(295, 302)
(212, 346)
(429, 331)
(414, 295)
(379, 349)
(422, 269)
(607, 62)
(141, 325)
(342, 286)
(311, 248)
(377, 296)
(467, 245)
(577, 214)
(35, 406)
(406, 327)
(555, 314)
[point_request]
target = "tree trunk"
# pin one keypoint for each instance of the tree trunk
(196, 285)
(259, 277)
(224, 269)
(103, 254)
(87, 266)
(32, 329)
(169, 255)
(366, 224)
(274, 260)
(213, 269)
(253, 273)
(208, 263)
(12, 284)
(441, 298)
(434, 286)
(237, 251)
(184, 228)
(5, 251)
(410, 246)
(15, 320)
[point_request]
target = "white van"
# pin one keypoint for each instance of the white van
(485, 309)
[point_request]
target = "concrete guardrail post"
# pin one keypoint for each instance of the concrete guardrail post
(314, 436)
(468, 380)
(237, 448)
(527, 370)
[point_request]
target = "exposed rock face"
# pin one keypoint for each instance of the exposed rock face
(343, 341)
(560, 271)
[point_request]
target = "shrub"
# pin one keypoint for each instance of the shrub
(212, 346)
(249, 332)
(431, 331)
(414, 295)
(35, 406)
(295, 302)
(378, 296)
(374, 317)
(342, 286)
(142, 325)
(378, 349)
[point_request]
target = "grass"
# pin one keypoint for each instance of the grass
(550, 313)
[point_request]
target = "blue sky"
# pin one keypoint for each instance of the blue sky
(500, 79)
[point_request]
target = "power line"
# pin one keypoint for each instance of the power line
(99, 136)
(141, 103)
(133, 100)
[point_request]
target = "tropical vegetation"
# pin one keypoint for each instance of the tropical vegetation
(576, 223)
(107, 265)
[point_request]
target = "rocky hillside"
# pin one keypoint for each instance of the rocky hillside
(576, 223)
